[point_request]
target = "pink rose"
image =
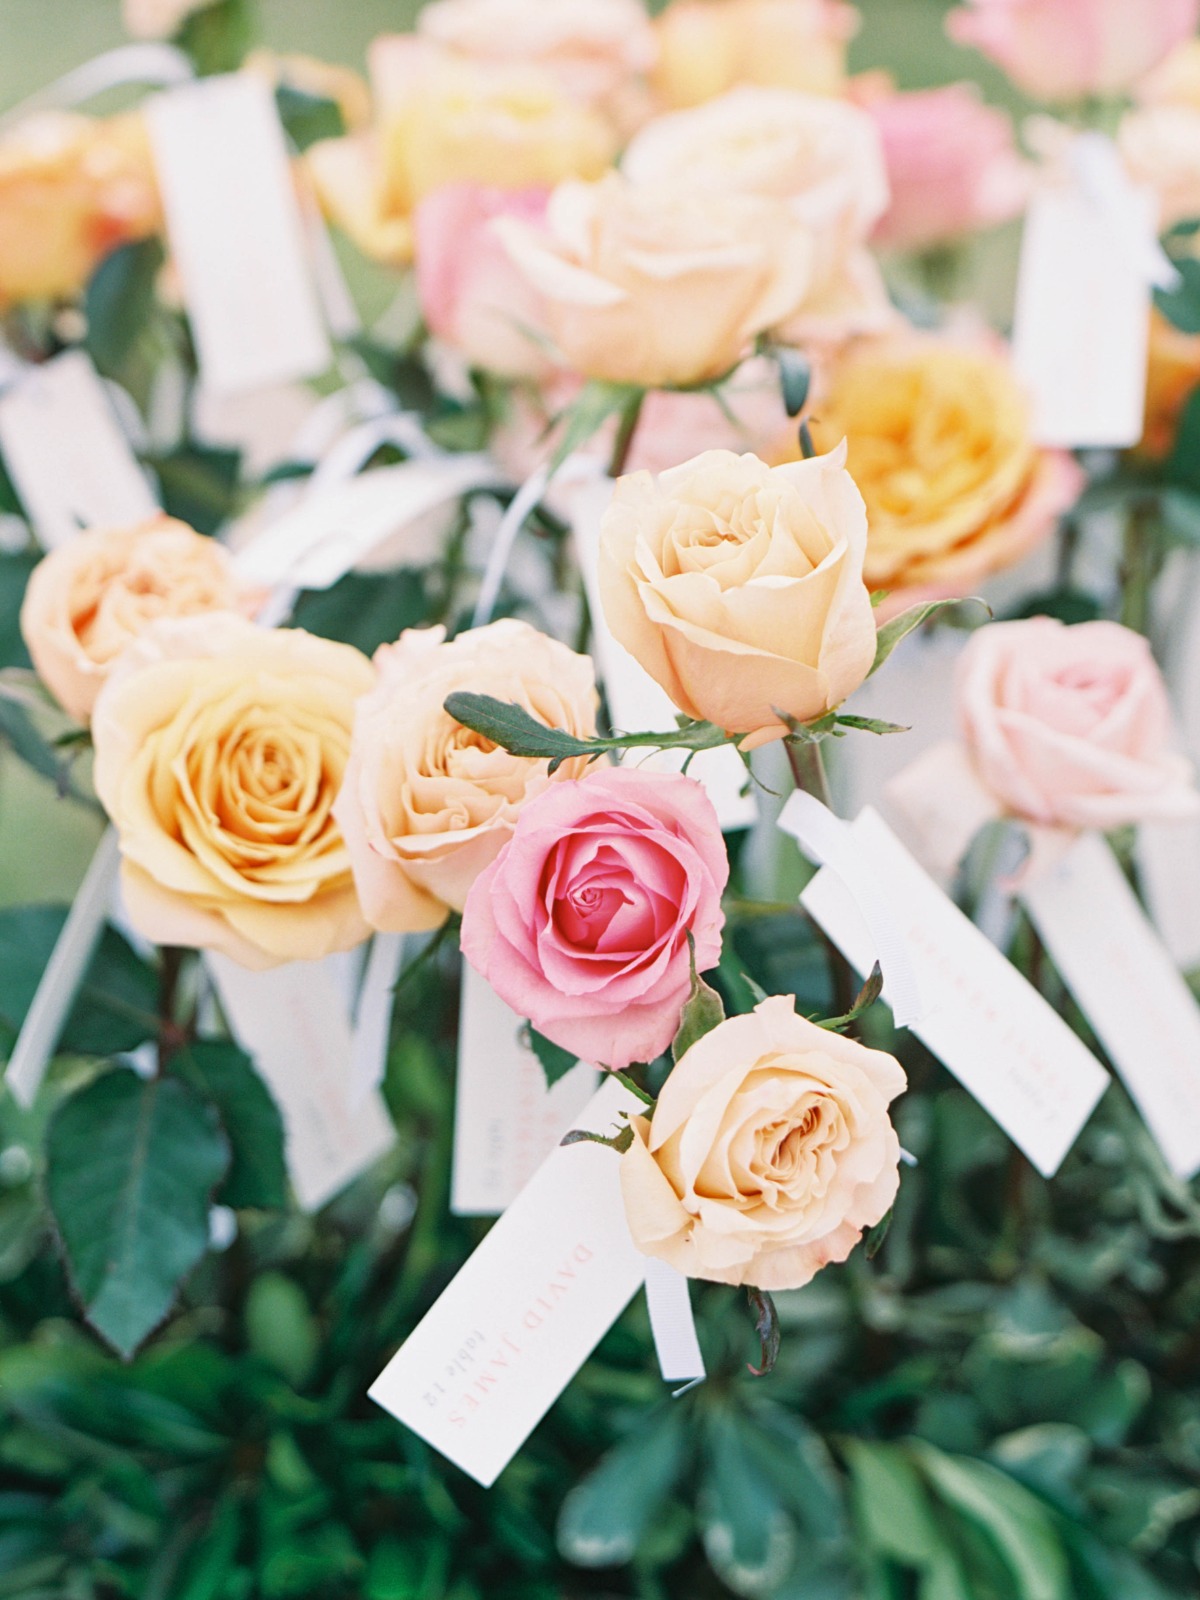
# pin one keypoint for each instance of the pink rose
(951, 163)
(1065, 49)
(1071, 726)
(581, 922)
(471, 294)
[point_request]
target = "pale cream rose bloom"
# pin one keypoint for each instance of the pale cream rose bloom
(708, 46)
(657, 285)
(1160, 147)
(769, 1152)
(427, 804)
(220, 748)
(739, 587)
(1175, 81)
(86, 601)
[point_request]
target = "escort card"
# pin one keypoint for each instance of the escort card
(506, 1120)
(292, 1020)
(237, 233)
(635, 702)
(497, 1349)
(1128, 988)
(989, 1026)
(1168, 858)
(66, 454)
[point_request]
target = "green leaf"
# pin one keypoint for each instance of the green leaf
(1068, 605)
(703, 1011)
(795, 378)
(891, 1505)
(198, 484)
(120, 302)
(131, 1168)
(224, 1075)
(1180, 510)
(871, 724)
(23, 706)
(514, 729)
(863, 1001)
(605, 1516)
(1183, 464)
(748, 1536)
(15, 568)
(280, 1328)
(900, 627)
(308, 117)
(218, 36)
(595, 403)
(1181, 305)
(367, 609)
(555, 1061)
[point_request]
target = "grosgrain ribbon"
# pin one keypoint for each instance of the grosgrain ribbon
(373, 1018)
(669, 1302)
(828, 841)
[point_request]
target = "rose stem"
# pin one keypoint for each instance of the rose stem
(625, 432)
(808, 771)
(1138, 565)
(170, 1035)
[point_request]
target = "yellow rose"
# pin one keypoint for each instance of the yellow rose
(938, 440)
(708, 46)
(426, 804)
(1172, 376)
(739, 587)
(220, 748)
(71, 190)
(769, 1152)
(86, 601)
(656, 285)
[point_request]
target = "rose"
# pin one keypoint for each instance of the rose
(939, 443)
(1071, 726)
(739, 587)
(1067, 49)
(645, 284)
(596, 50)
(426, 805)
(71, 190)
(708, 46)
(158, 19)
(951, 164)
(581, 923)
(769, 1151)
(1160, 147)
(1176, 80)
(87, 600)
(471, 294)
(220, 748)
(1173, 374)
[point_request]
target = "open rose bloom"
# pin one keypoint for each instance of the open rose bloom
(769, 1152)
(708, 46)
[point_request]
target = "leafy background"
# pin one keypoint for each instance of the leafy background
(1002, 1405)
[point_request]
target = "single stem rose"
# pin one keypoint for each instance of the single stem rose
(171, 1036)
(808, 771)
(626, 429)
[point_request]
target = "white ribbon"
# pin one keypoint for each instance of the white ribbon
(1097, 168)
(155, 65)
(828, 841)
(669, 1302)
(373, 1019)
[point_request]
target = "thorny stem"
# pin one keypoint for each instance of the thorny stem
(626, 429)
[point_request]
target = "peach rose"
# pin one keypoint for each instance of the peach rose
(1160, 148)
(708, 46)
(1070, 726)
(86, 601)
(1176, 80)
(645, 284)
(71, 190)
(739, 587)
(472, 296)
(1069, 49)
(952, 165)
(1173, 374)
(220, 748)
(939, 443)
(426, 805)
(769, 1152)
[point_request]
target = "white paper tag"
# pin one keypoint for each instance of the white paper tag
(1082, 317)
(506, 1121)
(292, 1020)
(1128, 988)
(373, 1016)
(497, 1349)
(990, 1027)
(237, 233)
(55, 993)
(636, 703)
(1168, 858)
(68, 458)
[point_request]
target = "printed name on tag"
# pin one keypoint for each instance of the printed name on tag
(506, 1120)
(635, 702)
(237, 233)
(292, 1020)
(66, 454)
(1128, 988)
(1082, 316)
(501, 1344)
(989, 1026)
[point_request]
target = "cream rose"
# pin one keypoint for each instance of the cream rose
(739, 587)
(86, 601)
(426, 804)
(220, 748)
(656, 285)
(769, 1152)
(1160, 147)
(707, 46)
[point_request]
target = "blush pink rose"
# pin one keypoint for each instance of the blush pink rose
(1070, 726)
(471, 294)
(581, 922)
(1066, 49)
(952, 166)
